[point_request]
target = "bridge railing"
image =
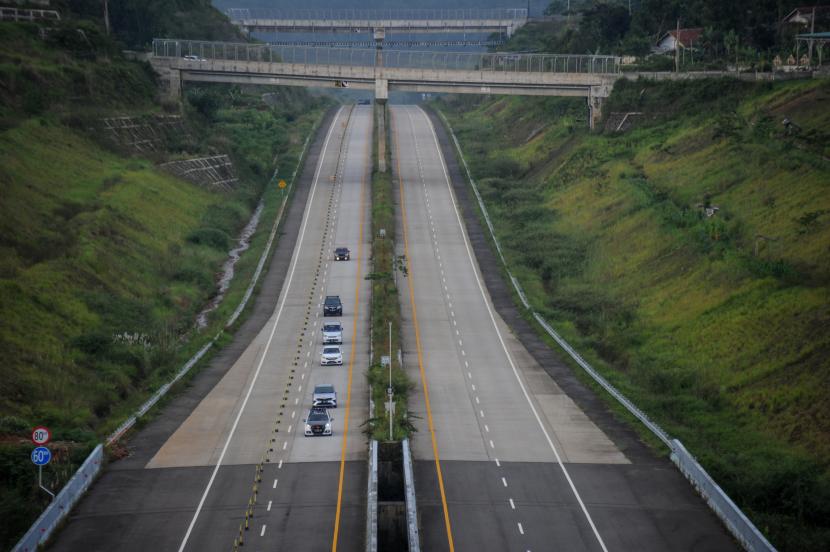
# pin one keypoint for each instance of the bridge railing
(509, 14)
(406, 59)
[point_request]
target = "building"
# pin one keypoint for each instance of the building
(682, 38)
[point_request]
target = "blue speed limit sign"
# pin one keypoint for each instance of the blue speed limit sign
(41, 456)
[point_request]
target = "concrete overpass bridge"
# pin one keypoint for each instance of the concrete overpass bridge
(590, 77)
(505, 21)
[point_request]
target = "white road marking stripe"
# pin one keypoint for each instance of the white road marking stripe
(284, 445)
(274, 486)
(296, 400)
(269, 507)
(481, 412)
(473, 386)
(279, 467)
(487, 429)
(262, 533)
(497, 463)
(512, 505)
(491, 444)
(504, 481)
(521, 529)
(293, 413)
(504, 346)
(291, 427)
(267, 344)
(477, 401)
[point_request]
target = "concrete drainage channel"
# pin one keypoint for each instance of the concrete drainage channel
(392, 523)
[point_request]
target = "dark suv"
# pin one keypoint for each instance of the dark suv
(342, 254)
(332, 306)
(318, 422)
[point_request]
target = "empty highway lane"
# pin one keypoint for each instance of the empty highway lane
(505, 460)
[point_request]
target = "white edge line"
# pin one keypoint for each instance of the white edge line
(501, 340)
(270, 337)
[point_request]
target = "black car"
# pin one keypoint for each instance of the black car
(342, 254)
(332, 306)
(318, 422)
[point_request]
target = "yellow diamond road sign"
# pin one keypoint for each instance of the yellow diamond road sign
(281, 183)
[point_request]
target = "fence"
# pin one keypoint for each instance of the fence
(18, 14)
(59, 508)
(510, 14)
(404, 59)
(736, 522)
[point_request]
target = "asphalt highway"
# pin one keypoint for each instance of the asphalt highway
(505, 458)
(240, 447)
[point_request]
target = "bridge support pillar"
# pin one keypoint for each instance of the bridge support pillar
(596, 97)
(173, 78)
(381, 90)
(594, 111)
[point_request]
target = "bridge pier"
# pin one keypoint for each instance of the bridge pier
(171, 79)
(596, 97)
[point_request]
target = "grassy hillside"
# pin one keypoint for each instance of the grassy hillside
(105, 259)
(715, 325)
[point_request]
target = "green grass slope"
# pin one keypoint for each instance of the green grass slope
(717, 326)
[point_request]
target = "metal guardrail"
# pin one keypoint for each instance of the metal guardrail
(404, 59)
(372, 498)
(411, 506)
(511, 14)
(59, 508)
(738, 524)
(729, 513)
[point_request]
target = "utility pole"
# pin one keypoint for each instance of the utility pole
(107, 16)
(677, 48)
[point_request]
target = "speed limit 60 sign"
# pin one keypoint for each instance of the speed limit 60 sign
(41, 435)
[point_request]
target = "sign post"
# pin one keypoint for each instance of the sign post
(282, 185)
(40, 457)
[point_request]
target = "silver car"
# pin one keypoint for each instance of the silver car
(331, 355)
(324, 395)
(332, 333)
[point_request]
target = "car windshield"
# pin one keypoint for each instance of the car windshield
(318, 417)
(324, 389)
(331, 351)
(331, 328)
(331, 300)
(342, 250)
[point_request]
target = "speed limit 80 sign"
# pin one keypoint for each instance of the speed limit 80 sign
(41, 435)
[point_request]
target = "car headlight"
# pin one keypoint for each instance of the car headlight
(307, 427)
(328, 427)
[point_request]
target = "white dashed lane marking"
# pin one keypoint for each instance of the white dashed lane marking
(512, 505)
(521, 529)
(274, 486)
(268, 509)
(262, 533)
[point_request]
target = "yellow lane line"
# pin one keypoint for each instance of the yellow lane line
(411, 284)
(352, 352)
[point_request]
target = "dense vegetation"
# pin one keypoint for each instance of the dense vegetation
(714, 324)
(733, 29)
(104, 258)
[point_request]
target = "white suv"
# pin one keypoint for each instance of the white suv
(332, 333)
